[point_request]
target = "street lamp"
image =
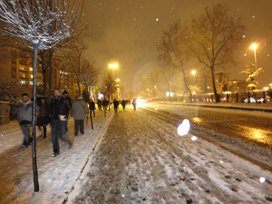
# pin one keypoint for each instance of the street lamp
(113, 66)
(194, 73)
(254, 47)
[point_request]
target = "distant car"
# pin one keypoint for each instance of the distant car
(252, 100)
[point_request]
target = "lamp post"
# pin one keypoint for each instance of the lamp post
(254, 48)
(194, 73)
(113, 66)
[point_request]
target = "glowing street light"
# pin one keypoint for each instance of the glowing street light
(194, 73)
(113, 66)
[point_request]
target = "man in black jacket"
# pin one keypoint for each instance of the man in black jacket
(92, 108)
(68, 106)
(59, 113)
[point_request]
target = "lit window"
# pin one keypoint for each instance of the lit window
(31, 76)
(31, 82)
(30, 69)
(22, 82)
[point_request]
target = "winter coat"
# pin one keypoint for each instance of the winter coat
(59, 106)
(92, 105)
(43, 117)
(25, 111)
(124, 102)
(115, 104)
(134, 102)
(105, 102)
(79, 109)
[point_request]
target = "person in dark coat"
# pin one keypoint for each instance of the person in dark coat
(99, 104)
(25, 118)
(59, 116)
(124, 102)
(43, 118)
(105, 104)
(92, 107)
(115, 104)
(67, 100)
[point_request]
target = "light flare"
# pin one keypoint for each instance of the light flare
(262, 179)
(194, 138)
(184, 127)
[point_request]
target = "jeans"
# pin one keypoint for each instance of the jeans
(64, 126)
(81, 124)
(58, 131)
(92, 111)
(26, 132)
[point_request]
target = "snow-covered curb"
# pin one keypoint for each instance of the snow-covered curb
(86, 163)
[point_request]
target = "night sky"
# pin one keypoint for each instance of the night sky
(128, 31)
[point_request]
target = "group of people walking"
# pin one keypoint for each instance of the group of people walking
(57, 114)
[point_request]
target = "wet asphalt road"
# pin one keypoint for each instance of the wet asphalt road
(255, 127)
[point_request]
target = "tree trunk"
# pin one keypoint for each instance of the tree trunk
(34, 152)
(78, 85)
(50, 80)
(43, 72)
(214, 86)
(186, 85)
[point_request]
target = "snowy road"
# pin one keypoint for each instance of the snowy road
(245, 133)
(141, 159)
(249, 125)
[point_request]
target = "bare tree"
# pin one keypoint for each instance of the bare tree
(46, 57)
(41, 24)
(173, 48)
(75, 60)
(215, 36)
(89, 74)
(108, 85)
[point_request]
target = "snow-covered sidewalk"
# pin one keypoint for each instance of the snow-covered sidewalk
(56, 175)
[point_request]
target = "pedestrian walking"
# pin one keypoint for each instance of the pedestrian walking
(68, 105)
(115, 105)
(25, 118)
(59, 122)
(124, 102)
(92, 108)
(105, 105)
(43, 118)
(99, 104)
(134, 103)
(79, 111)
